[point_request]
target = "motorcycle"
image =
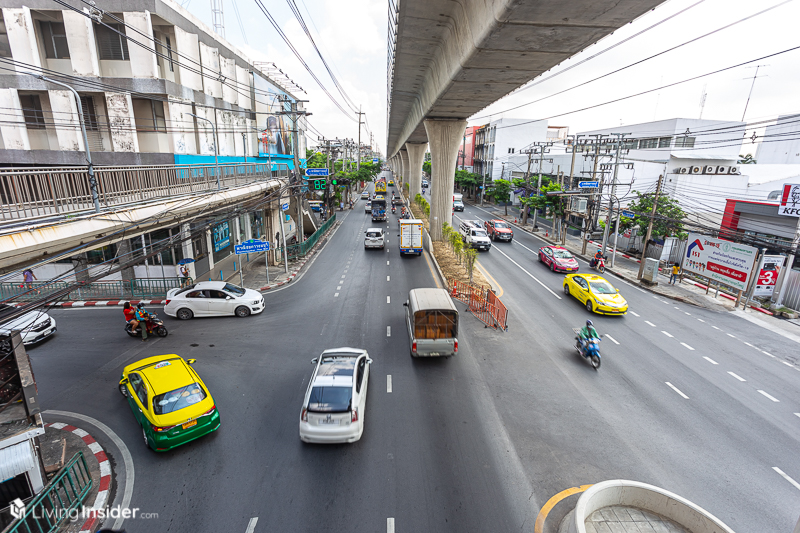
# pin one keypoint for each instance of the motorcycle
(598, 264)
(155, 326)
(394, 210)
(592, 351)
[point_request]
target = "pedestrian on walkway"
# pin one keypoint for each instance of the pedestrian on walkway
(676, 270)
(28, 276)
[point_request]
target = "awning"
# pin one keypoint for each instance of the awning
(16, 459)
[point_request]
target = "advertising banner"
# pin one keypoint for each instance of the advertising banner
(722, 261)
(790, 201)
(221, 236)
(768, 276)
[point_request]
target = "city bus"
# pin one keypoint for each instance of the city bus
(380, 186)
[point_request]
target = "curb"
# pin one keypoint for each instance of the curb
(100, 303)
(105, 470)
(296, 270)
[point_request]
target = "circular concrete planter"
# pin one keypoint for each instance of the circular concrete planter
(642, 496)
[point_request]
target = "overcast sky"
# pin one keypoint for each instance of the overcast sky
(352, 37)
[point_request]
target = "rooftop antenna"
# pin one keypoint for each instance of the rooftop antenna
(703, 95)
(751, 88)
(217, 18)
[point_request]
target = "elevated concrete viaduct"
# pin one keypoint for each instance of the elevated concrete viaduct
(452, 58)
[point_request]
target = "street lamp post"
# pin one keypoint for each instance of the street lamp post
(92, 180)
(214, 134)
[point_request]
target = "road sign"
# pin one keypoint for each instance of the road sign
(588, 184)
(628, 214)
(285, 207)
(375, 161)
(251, 246)
(316, 172)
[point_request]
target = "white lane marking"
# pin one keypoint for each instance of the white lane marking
(388, 331)
(786, 476)
(390, 525)
(740, 378)
(634, 314)
(687, 346)
(666, 302)
(339, 288)
(650, 323)
(251, 525)
(388, 299)
(710, 360)
(336, 295)
(530, 250)
(797, 415)
(685, 313)
(387, 263)
(387, 250)
(388, 383)
(715, 327)
(343, 276)
(729, 335)
(750, 345)
(528, 273)
(678, 308)
(612, 339)
(673, 387)
(701, 320)
(773, 398)
(670, 335)
(767, 353)
(787, 364)
(388, 278)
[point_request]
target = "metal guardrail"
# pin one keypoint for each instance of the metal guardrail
(35, 192)
(301, 249)
(135, 289)
(51, 507)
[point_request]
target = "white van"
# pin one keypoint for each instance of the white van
(374, 238)
(458, 202)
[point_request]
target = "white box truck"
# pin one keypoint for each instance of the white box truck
(410, 236)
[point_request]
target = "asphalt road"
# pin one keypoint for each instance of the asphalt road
(478, 442)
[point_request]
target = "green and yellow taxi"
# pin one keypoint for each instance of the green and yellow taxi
(169, 400)
(596, 293)
(391, 183)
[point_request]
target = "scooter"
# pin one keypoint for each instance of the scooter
(394, 210)
(155, 326)
(591, 352)
(598, 264)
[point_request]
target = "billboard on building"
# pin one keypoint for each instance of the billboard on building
(275, 137)
(222, 236)
(722, 261)
(790, 200)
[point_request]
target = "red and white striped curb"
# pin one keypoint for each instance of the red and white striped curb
(294, 273)
(99, 303)
(105, 470)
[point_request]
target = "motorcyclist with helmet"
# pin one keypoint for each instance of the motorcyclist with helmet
(597, 257)
(587, 333)
(142, 316)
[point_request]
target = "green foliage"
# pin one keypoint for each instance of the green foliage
(500, 190)
(309, 153)
(457, 244)
(470, 256)
(668, 208)
(746, 160)
(556, 204)
(423, 203)
(315, 160)
(426, 167)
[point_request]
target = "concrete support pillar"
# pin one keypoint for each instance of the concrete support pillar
(416, 154)
(81, 42)
(65, 116)
(121, 122)
(13, 130)
(187, 46)
(404, 167)
(209, 62)
(124, 253)
(188, 248)
(144, 63)
(444, 137)
(22, 38)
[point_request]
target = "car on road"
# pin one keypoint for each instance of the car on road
(374, 238)
(391, 183)
(213, 298)
(596, 293)
(458, 202)
(558, 259)
(473, 235)
(34, 326)
(336, 398)
(169, 401)
(365, 195)
(368, 207)
(498, 230)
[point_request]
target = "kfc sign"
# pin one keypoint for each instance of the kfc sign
(790, 201)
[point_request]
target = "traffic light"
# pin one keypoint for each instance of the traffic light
(334, 182)
(317, 184)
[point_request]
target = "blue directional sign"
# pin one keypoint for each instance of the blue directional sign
(252, 246)
(316, 172)
(375, 161)
(285, 207)
(628, 214)
(588, 184)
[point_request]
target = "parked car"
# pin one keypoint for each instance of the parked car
(596, 293)
(213, 298)
(474, 235)
(499, 230)
(558, 259)
(374, 238)
(34, 327)
(169, 401)
(336, 398)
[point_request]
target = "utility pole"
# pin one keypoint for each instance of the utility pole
(527, 185)
(358, 166)
(620, 137)
(650, 227)
(298, 177)
(542, 148)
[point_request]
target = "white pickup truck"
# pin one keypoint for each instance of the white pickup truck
(474, 235)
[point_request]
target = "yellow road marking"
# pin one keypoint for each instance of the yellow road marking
(434, 274)
(539, 525)
(485, 273)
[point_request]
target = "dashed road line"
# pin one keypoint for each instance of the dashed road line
(787, 364)
(797, 415)
(685, 313)
(339, 288)
(701, 320)
(388, 278)
(730, 335)
(740, 378)
(612, 339)
(649, 323)
(670, 335)
(773, 398)
(633, 313)
(390, 525)
(343, 276)
(715, 327)
(710, 360)
(388, 299)
(388, 331)
(673, 387)
(251, 525)
(336, 295)
(750, 345)
(786, 476)
(388, 383)
(387, 263)
(529, 274)
(687, 346)
(767, 353)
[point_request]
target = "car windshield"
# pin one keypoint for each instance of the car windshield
(178, 399)
(374, 234)
(330, 399)
(602, 287)
(501, 225)
(562, 254)
(238, 291)
(478, 233)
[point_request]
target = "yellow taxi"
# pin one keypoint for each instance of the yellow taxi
(391, 183)
(596, 293)
(169, 401)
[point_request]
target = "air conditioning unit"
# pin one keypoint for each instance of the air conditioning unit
(578, 205)
(733, 170)
(722, 169)
(709, 169)
(684, 170)
(695, 170)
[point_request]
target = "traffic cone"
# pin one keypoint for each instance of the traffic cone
(546, 233)
(515, 220)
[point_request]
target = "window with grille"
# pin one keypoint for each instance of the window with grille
(32, 111)
(684, 142)
(648, 143)
(111, 44)
(55, 40)
(5, 48)
(664, 142)
(89, 113)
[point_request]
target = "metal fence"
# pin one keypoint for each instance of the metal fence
(135, 289)
(57, 501)
(482, 302)
(301, 249)
(35, 192)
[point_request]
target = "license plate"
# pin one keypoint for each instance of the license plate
(329, 421)
(189, 424)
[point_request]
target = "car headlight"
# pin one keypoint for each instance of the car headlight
(256, 302)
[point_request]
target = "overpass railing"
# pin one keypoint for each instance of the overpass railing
(133, 289)
(35, 192)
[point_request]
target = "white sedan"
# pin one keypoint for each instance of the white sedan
(213, 298)
(34, 327)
